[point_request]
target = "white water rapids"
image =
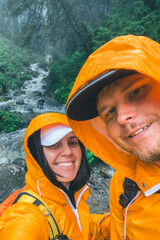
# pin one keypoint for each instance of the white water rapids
(30, 100)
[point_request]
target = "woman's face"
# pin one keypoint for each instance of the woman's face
(64, 158)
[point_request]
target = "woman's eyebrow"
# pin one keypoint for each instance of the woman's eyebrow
(73, 137)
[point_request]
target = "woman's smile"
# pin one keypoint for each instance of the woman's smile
(64, 158)
(64, 164)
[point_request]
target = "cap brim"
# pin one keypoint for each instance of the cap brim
(53, 133)
(82, 106)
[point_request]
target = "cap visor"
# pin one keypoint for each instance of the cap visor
(82, 106)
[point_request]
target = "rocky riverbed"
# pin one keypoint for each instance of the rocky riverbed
(100, 183)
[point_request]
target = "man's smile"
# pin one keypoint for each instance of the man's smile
(135, 133)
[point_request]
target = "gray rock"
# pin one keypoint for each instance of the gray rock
(104, 173)
(12, 177)
(19, 93)
(20, 102)
(99, 188)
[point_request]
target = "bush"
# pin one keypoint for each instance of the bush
(9, 121)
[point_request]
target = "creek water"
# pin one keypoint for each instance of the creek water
(30, 100)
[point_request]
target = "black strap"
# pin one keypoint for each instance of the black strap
(130, 191)
(62, 237)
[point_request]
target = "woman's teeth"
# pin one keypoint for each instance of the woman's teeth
(65, 164)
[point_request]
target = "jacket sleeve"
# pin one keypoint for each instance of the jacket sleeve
(99, 226)
(23, 222)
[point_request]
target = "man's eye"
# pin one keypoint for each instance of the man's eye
(110, 112)
(136, 91)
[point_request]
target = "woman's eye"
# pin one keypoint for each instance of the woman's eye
(73, 143)
(54, 145)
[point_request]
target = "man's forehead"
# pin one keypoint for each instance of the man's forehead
(124, 83)
(120, 85)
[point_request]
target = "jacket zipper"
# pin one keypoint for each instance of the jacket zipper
(75, 209)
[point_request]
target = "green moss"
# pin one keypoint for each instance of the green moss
(4, 99)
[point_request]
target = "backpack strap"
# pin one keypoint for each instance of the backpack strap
(31, 197)
(130, 191)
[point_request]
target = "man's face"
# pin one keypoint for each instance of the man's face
(130, 108)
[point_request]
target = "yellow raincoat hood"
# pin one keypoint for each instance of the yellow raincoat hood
(34, 172)
(130, 53)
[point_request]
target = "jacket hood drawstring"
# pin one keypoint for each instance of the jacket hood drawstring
(38, 187)
(125, 220)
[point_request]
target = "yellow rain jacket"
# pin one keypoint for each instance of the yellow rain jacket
(25, 221)
(141, 219)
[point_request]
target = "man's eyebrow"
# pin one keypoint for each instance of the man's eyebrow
(130, 84)
(103, 108)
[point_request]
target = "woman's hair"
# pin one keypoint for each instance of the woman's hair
(83, 175)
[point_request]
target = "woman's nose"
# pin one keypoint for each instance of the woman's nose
(66, 150)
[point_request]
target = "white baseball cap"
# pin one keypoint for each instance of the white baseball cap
(53, 133)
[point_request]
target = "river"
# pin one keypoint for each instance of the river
(30, 100)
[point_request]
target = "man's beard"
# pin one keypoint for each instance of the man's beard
(150, 156)
(153, 156)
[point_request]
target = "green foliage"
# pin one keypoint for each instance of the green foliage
(9, 121)
(62, 75)
(13, 64)
(90, 157)
(138, 17)
(135, 18)
(24, 76)
(3, 99)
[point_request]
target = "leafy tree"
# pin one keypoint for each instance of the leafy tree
(150, 4)
(132, 17)
(62, 75)
(47, 19)
(135, 18)
(58, 26)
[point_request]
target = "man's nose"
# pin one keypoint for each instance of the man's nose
(125, 113)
